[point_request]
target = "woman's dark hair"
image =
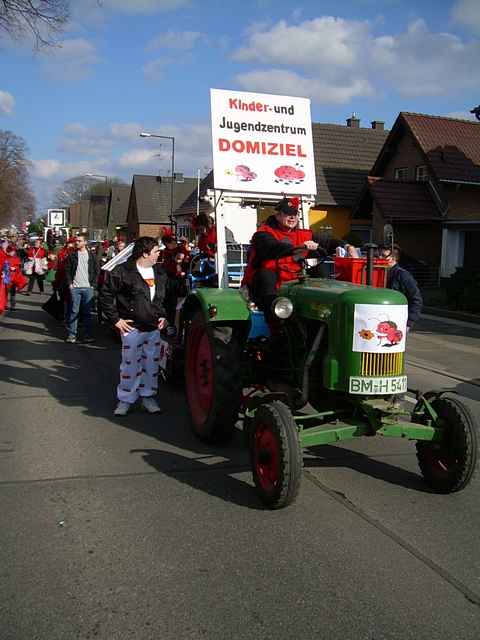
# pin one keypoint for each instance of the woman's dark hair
(204, 220)
(143, 245)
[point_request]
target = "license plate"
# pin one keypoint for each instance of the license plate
(378, 386)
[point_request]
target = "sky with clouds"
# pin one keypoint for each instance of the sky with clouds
(126, 66)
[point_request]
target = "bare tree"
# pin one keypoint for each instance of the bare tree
(17, 201)
(42, 19)
(81, 188)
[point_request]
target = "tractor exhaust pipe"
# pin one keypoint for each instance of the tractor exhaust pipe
(370, 248)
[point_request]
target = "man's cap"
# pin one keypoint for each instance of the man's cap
(288, 206)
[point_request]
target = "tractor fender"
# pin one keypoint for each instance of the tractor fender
(217, 305)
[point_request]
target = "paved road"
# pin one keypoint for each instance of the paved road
(444, 353)
(130, 528)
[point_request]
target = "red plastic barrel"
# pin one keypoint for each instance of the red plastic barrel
(355, 270)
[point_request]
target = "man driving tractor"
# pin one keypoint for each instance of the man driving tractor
(277, 250)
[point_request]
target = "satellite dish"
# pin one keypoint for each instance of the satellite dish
(387, 234)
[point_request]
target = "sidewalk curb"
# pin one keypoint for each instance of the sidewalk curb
(452, 315)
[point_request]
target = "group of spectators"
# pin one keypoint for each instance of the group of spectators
(21, 266)
(139, 296)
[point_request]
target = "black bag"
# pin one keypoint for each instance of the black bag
(54, 307)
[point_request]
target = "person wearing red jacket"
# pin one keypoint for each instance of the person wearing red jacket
(16, 278)
(175, 258)
(59, 284)
(206, 235)
(277, 247)
(3, 288)
(36, 266)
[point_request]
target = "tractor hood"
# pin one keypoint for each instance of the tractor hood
(316, 298)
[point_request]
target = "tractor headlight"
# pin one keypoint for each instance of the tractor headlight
(282, 308)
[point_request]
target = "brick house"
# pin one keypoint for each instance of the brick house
(188, 209)
(150, 202)
(118, 210)
(98, 215)
(426, 184)
(78, 215)
(344, 156)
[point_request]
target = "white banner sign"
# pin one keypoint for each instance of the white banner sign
(379, 328)
(262, 143)
(122, 256)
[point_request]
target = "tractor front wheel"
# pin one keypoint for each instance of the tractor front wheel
(212, 377)
(276, 455)
(448, 465)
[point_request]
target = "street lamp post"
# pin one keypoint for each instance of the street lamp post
(154, 135)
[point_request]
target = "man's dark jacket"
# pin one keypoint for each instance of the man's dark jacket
(71, 264)
(401, 280)
(126, 295)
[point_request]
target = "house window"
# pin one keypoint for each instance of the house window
(421, 173)
(185, 231)
(401, 173)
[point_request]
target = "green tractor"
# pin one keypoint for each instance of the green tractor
(334, 372)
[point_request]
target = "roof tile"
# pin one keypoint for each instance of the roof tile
(452, 146)
(343, 158)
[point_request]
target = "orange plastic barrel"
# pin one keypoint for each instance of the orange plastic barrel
(355, 270)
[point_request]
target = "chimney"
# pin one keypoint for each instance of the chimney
(353, 122)
(378, 124)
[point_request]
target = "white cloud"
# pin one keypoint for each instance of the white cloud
(192, 149)
(339, 59)
(467, 13)
(287, 83)
(420, 62)
(178, 40)
(125, 130)
(126, 153)
(78, 139)
(155, 69)
(48, 169)
(144, 6)
(313, 43)
(7, 103)
(461, 115)
(138, 158)
(73, 60)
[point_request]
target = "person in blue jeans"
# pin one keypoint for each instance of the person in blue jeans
(81, 273)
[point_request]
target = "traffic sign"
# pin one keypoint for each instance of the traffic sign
(56, 217)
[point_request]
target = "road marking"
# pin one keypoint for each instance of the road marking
(342, 499)
(455, 346)
(443, 372)
(445, 320)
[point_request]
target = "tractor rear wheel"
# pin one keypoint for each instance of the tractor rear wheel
(450, 464)
(212, 377)
(276, 455)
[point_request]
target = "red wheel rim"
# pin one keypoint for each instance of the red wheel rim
(199, 375)
(266, 457)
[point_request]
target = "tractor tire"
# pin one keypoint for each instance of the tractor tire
(276, 455)
(449, 465)
(212, 378)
